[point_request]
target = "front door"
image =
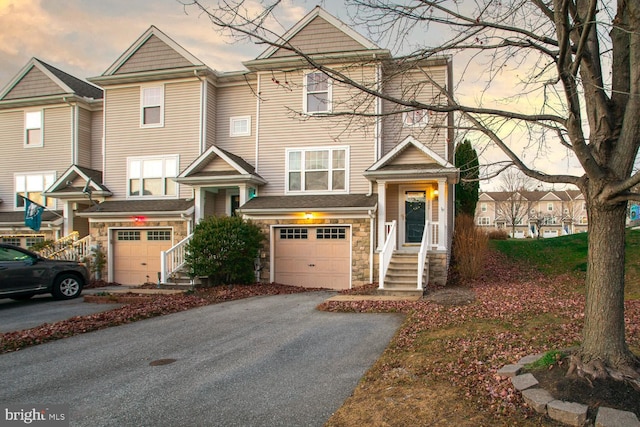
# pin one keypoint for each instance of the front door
(415, 204)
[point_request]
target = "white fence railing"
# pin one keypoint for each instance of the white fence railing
(422, 255)
(69, 247)
(173, 259)
(387, 251)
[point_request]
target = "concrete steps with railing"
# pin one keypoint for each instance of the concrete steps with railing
(402, 275)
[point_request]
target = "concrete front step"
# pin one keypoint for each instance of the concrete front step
(400, 292)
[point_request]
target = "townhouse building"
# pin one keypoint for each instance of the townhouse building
(532, 213)
(340, 185)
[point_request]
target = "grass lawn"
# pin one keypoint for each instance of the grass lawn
(440, 368)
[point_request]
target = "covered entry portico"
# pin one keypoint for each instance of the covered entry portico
(415, 206)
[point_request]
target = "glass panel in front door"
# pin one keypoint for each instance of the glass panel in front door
(414, 210)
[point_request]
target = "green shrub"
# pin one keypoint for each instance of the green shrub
(224, 249)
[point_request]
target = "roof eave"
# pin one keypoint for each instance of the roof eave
(217, 180)
(170, 73)
(323, 58)
(100, 214)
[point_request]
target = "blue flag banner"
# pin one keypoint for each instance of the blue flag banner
(32, 215)
(634, 213)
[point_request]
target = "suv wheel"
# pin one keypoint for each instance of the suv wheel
(67, 286)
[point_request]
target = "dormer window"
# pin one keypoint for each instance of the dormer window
(152, 106)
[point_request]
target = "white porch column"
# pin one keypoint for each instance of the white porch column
(443, 215)
(382, 212)
(67, 220)
(244, 193)
(198, 199)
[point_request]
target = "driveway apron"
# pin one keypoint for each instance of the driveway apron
(264, 361)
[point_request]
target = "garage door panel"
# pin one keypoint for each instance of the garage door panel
(136, 254)
(313, 257)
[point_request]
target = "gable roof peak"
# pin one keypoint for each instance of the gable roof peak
(67, 83)
(316, 12)
(141, 40)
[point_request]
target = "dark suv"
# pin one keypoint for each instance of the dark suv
(24, 274)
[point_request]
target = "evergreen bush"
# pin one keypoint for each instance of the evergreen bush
(224, 250)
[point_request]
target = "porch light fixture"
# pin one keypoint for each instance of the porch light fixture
(435, 193)
(308, 215)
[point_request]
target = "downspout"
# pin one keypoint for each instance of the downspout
(378, 125)
(257, 122)
(74, 134)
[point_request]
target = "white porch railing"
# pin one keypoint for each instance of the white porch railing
(173, 259)
(422, 255)
(387, 251)
(69, 247)
(434, 239)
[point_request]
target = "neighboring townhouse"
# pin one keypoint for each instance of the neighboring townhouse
(50, 134)
(535, 213)
(344, 199)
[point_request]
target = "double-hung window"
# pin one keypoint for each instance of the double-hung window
(31, 186)
(415, 118)
(317, 170)
(151, 176)
(152, 106)
(317, 93)
(33, 129)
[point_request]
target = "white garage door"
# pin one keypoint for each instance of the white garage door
(136, 255)
(314, 257)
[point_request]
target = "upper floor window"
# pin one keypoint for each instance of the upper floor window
(33, 129)
(240, 126)
(317, 93)
(151, 176)
(483, 207)
(317, 170)
(31, 186)
(550, 207)
(152, 106)
(415, 118)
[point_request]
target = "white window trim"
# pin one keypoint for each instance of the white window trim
(329, 94)
(483, 207)
(42, 174)
(176, 157)
(549, 207)
(422, 123)
(25, 129)
(484, 220)
(142, 107)
(233, 120)
(303, 170)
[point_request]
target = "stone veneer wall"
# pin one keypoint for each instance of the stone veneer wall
(438, 268)
(100, 233)
(360, 244)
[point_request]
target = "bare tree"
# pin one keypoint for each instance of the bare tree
(515, 208)
(575, 67)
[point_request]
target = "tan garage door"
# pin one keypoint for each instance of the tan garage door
(136, 255)
(313, 257)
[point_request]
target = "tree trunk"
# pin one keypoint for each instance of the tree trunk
(604, 328)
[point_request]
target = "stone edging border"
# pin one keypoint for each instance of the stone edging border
(569, 413)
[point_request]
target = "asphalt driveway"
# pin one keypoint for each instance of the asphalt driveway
(264, 361)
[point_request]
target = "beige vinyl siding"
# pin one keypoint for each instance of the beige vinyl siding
(84, 137)
(212, 112)
(97, 130)
(58, 139)
(320, 36)
(411, 86)
(282, 127)
(54, 155)
(411, 156)
(34, 83)
(392, 203)
(217, 165)
(125, 138)
(154, 54)
(12, 143)
(235, 101)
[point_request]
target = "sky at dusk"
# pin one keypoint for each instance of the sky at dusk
(84, 37)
